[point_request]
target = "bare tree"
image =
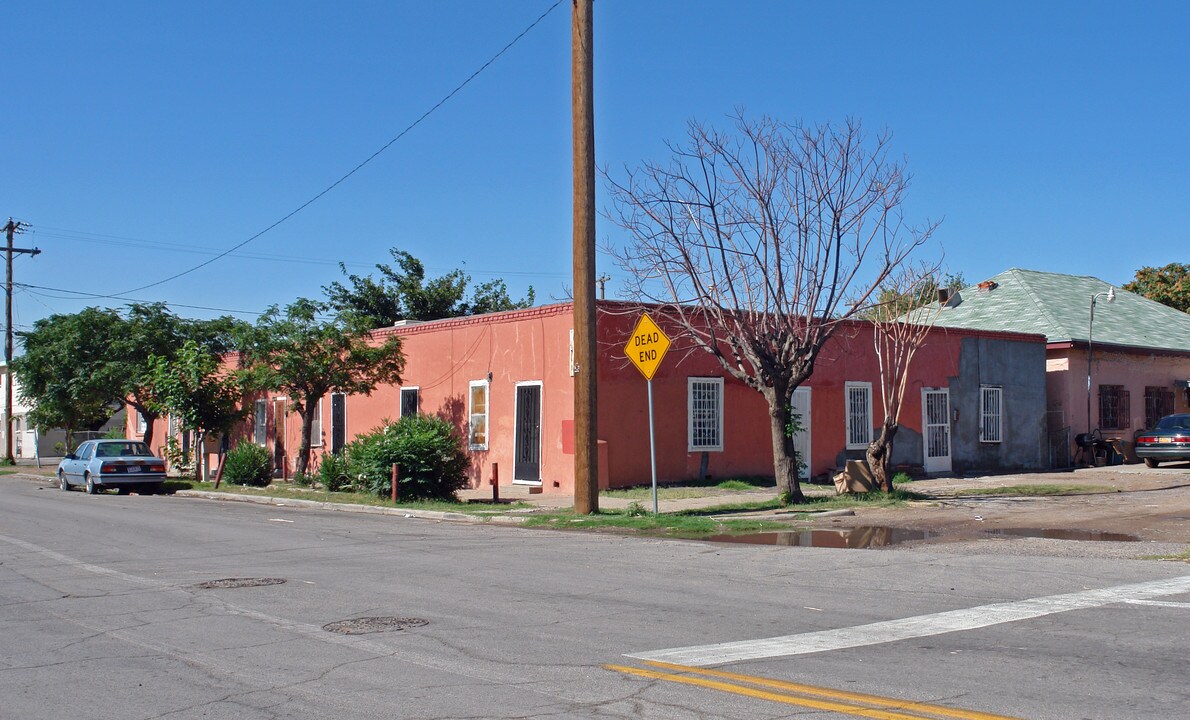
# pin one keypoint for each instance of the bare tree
(763, 242)
(901, 322)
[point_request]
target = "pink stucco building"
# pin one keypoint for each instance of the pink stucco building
(976, 400)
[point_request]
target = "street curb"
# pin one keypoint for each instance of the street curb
(438, 515)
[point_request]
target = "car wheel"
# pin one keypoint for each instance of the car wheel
(1152, 462)
(62, 483)
(91, 489)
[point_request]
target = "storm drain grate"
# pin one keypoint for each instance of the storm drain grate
(227, 583)
(361, 626)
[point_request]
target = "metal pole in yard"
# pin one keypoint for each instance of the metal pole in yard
(652, 447)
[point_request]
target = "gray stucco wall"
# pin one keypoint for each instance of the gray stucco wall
(1019, 368)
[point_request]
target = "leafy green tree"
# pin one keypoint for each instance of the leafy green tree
(308, 357)
(193, 387)
(77, 367)
(151, 330)
(404, 293)
(1168, 285)
(894, 301)
(66, 372)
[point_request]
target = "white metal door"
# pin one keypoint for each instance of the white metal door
(935, 423)
(801, 440)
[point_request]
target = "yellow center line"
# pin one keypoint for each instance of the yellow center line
(877, 700)
(887, 708)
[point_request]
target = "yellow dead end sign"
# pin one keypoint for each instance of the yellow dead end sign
(647, 346)
(646, 349)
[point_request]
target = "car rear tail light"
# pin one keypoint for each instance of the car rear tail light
(110, 468)
(157, 468)
(1146, 438)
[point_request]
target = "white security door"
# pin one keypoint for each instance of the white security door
(801, 439)
(935, 411)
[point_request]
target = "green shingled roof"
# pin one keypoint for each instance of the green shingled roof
(1058, 306)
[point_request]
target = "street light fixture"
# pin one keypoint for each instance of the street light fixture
(1110, 294)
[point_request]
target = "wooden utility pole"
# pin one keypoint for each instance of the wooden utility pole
(586, 456)
(10, 230)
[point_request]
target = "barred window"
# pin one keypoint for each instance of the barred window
(705, 413)
(991, 413)
(1158, 404)
(1113, 408)
(859, 414)
(408, 401)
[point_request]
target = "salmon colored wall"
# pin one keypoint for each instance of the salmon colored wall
(1067, 383)
(623, 403)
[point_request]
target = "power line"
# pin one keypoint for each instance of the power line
(118, 241)
(358, 167)
(77, 294)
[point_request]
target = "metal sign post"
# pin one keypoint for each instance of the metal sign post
(646, 347)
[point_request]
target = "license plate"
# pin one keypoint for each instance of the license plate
(132, 469)
(1165, 440)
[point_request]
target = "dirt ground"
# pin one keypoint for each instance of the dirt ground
(1152, 505)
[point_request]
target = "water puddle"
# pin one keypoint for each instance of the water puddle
(1055, 534)
(858, 537)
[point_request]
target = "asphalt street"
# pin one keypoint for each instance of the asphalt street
(103, 614)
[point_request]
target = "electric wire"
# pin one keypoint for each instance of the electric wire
(77, 294)
(118, 241)
(358, 167)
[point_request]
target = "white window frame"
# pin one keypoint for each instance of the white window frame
(416, 390)
(260, 422)
(708, 382)
(471, 414)
(987, 416)
(857, 438)
(316, 425)
(141, 424)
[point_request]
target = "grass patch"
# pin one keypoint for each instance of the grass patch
(691, 489)
(348, 498)
(1034, 490)
(1178, 557)
(8, 471)
(667, 524)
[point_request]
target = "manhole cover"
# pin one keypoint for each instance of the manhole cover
(238, 583)
(360, 626)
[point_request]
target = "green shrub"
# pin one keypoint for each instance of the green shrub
(248, 464)
(334, 474)
(901, 478)
(180, 461)
(304, 480)
(428, 450)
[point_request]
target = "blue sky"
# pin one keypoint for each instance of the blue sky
(141, 138)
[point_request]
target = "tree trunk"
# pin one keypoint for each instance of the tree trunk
(303, 455)
(784, 458)
(880, 453)
(198, 454)
(149, 416)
